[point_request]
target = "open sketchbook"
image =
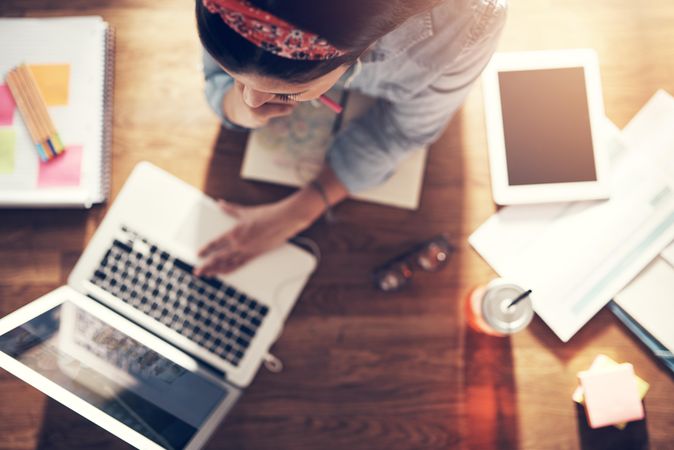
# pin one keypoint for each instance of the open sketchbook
(72, 62)
(290, 151)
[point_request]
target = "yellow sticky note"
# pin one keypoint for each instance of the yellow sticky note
(53, 81)
(7, 144)
(602, 362)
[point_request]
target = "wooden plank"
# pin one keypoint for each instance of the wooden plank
(363, 369)
(25, 267)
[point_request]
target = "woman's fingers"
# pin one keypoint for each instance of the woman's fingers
(208, 267)
(221, 255)
(230, 208)
(258, 229)
(238, 111)
(230, 263)
(216, 244)
(222, 262)
(271, 110)
(227, 239)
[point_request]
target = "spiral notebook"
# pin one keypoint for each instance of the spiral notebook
(71, 59)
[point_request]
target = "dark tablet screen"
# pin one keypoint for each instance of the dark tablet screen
(546, 126)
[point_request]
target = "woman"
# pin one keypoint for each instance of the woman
(417, 57)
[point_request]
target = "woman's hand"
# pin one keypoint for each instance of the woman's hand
(239, 112)
(264, 227)
(259, 228)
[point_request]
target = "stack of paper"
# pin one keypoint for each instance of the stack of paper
(577, 256)
(646, 305)
(611, 393)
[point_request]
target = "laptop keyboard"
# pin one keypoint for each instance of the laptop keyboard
(214, 315)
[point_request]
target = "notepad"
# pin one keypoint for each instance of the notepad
(649, 300)
(66, 170)
(291, 150)
(7, 149)
(72, 68)
(53, 81)
(604, 362)
(611, 395)
(7, 106)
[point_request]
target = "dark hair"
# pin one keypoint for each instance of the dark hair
(350, 25)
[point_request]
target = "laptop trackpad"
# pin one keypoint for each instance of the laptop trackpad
(204, 222)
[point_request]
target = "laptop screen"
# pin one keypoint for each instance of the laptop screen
(115, 373)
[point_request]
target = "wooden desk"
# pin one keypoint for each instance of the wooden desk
(363, 370)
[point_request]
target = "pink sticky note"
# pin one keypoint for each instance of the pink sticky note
(611, 395)
(62, 171)
(7, 106)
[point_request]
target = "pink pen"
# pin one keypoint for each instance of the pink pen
(330, 103)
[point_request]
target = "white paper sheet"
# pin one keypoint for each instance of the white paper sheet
(649, 300)
(668, 254)
(577, 256)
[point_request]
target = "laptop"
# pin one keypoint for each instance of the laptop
(135, 342)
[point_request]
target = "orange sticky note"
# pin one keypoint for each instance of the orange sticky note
(63, 171)
(53, 81)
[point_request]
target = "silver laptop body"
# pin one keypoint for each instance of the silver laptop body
(135, 342)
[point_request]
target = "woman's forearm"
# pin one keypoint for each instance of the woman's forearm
(308, 203)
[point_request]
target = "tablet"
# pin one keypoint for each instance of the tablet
(544, 110)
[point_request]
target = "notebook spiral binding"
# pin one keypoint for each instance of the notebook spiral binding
(106, 139)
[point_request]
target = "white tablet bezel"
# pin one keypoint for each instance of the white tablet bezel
(503, 193)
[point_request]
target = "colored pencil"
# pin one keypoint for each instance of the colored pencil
(337, 125)
(40, 107)
(330, 103)
(33, 108)
(23, 100)
(23, 88)
(27, 115)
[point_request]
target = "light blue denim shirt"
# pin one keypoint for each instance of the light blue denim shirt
(420, 74)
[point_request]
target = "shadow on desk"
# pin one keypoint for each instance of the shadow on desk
(633, 437)
(223, 178)
(491, 392)
(566, 351)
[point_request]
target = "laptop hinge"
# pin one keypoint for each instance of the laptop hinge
(202, 364)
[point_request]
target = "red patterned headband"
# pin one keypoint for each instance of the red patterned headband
(271, 33)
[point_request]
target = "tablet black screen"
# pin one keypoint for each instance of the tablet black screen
(546, 126)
